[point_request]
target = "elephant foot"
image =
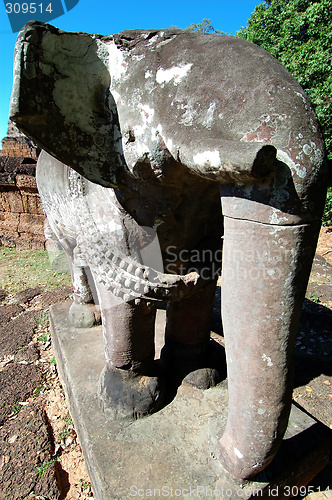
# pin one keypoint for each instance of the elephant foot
(228, 460)
(84, 315)
(203, 378)
(128, 395)
(202, 365)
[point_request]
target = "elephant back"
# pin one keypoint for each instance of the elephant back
(214, 100)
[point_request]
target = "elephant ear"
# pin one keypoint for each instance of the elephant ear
(61, 99)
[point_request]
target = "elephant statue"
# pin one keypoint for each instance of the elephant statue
(144, 132)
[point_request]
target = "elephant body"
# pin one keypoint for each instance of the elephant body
(146, 131)
(101, 237)
(80, 211)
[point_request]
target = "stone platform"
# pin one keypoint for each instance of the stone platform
(169, 454)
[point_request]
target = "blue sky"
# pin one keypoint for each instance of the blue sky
(108, 16)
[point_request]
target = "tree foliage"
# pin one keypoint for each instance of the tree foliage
(299, 34)
(205, 27)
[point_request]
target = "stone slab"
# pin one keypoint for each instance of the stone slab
(169, 453)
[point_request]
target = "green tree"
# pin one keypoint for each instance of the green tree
(299, 34)
(205, 27)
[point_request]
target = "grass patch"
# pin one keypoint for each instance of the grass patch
(20, 269)
(85, 486)
(41, 469)
(314, 297)
(68, 434)
(327, 217)
(17, 408)
(68, 420)
(44, 337)
(42, 319)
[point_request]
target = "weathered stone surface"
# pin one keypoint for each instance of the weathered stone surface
(9, 221)
(14, 201)
(206, 69)
(172, 444)
(31, 204)
(17, 145)
(6, 179)
(31, 224)
(4, 205)
(17, 383)
(18, 193)
(10, 167)
(26, 181)
(21, 220)
(263, 347)
(192, 129)
(304, 452)
(27, 242)
(25, 445)
(8, 238)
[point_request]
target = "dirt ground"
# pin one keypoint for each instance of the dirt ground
(40, 455)
(75, 482)
(59, 462)
(313, 352)
(324, 247)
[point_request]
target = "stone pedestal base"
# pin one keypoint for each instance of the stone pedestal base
(169, 454)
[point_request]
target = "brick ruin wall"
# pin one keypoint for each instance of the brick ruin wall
(21, 215)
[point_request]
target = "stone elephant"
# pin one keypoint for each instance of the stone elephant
(149, 129)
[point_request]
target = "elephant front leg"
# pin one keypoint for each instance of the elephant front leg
(130, 386)
(265, 273)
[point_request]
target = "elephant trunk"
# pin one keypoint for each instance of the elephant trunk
(265, 273)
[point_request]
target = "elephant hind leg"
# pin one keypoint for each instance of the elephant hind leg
(189, 354)
(83, 313)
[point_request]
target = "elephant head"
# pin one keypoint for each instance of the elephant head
(140, 105)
